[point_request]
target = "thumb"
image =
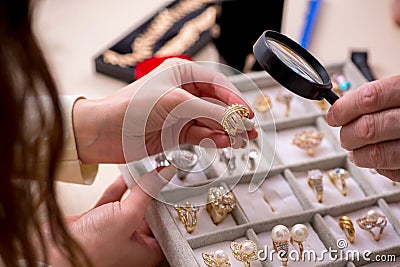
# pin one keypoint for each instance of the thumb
(134, 206)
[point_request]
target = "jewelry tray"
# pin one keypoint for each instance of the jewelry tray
(123, 46)
(253, 219)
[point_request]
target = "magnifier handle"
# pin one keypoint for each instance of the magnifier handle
(331, 97)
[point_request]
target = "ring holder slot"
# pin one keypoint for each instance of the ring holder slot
(274, 198)
(331, 195)
(289, 154)
(198, 196)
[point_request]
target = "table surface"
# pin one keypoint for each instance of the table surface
(73, 32)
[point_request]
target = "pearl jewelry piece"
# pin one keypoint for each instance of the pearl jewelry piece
(220, 256)
(217, 259)
(373, 220)
(280, 233)
(280, 239)
(247, 247)
(245, 251)
(372, 216)
(299, 234)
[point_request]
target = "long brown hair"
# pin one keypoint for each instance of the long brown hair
(24, 83)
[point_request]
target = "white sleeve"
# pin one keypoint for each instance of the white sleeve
(70, 168)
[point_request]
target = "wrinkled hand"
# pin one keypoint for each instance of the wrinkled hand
(179, 102)
(370, 120)
(114, 232)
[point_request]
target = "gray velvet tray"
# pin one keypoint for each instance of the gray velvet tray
(285, 170)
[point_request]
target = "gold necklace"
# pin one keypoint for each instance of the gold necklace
(143, 45)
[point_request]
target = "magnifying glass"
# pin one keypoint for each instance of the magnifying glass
(293, 67)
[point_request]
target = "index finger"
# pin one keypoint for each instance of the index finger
(368, 98)
(203, 82)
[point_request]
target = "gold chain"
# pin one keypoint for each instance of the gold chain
(143, 45)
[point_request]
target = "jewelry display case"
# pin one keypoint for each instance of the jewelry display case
(288, 196)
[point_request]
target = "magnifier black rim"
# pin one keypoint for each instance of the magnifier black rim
(283, 73)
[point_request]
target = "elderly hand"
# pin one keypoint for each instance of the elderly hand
(114, 232)
(370, 120)
(179, 102)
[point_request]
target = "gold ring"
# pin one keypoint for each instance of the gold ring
(245, 251)
(339, 174)
(347, 226)
(308, 140)
(285, 99)
(219, 204)
(315, 182)
(216, 259)
(322, 104)
(280, 240)
(299, 234)
(262, 103)
(232, 117)
(187, 214)
(373, 220)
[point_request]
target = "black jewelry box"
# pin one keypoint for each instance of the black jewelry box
(127, 74)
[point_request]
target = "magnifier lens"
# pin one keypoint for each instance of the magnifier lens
(294, 61)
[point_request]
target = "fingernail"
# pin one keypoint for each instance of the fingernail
(248, 124)
(168, 172)
(330, 118)
(350, 156)
(244, 144)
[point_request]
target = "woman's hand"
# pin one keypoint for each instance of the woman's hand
(114, 232)
(370, 120)
(179, 102)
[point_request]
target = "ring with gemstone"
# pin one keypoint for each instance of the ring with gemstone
(251, 158)
(308, 140)
(184, 160)
(232, 118)
(227, 156)
(372, 220)
(245, 251)
(285, 98)
(280, 236)
(187, 214)
(262, 103)
(161, 160)
(316, 184)
(299, 234)
(341, 175)
(216, 259)
(219, 204)
(347, 226)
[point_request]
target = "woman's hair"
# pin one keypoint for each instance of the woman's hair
(31, 139)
